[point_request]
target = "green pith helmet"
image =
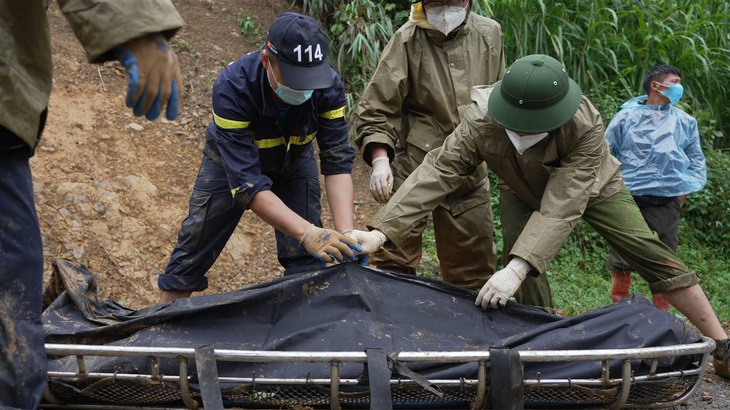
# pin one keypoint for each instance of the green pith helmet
(535, 95)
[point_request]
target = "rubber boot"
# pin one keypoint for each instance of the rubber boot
(660, 302)
(620, 283)
(721, 357)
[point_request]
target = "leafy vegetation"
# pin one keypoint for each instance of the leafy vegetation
(607, 46)
(246, 24)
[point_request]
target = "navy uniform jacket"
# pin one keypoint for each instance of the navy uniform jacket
(253, 138)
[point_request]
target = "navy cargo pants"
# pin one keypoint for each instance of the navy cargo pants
(22, 355)
(212, 218)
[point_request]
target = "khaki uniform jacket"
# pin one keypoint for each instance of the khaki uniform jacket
(421, 89)
(25, 48)
(560, 177)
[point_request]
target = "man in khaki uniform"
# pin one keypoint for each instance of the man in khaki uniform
(545, 141)
(416, 97)
(134, 32)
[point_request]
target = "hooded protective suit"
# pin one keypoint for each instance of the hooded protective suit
(416, 97)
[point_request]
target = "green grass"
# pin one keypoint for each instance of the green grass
(429, 266)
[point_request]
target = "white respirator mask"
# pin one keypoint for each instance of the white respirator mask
(446, 18)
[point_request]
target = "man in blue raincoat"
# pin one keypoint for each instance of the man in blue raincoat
(662, 163)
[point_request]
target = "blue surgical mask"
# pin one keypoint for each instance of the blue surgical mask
(673, 92)
(290, 95)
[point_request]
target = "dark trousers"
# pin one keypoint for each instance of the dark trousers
(212, 218)
(535, 290)
(661, 218)
(22, 354)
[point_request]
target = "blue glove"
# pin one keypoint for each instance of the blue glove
(154, 76)
(363, 260)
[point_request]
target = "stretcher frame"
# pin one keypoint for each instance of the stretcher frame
(624, 390)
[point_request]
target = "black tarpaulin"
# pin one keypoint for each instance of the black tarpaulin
(347, 308)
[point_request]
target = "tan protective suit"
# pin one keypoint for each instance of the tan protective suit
(416, 97)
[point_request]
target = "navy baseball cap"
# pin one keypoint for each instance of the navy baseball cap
(300, 48)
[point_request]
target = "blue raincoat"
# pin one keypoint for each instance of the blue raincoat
(659, 149)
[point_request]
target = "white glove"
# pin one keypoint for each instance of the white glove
(369, 241)
(503, 284)
(381, 180)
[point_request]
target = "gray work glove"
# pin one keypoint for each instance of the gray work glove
(328, 245)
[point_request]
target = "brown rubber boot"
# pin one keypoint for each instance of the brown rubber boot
(721, 356)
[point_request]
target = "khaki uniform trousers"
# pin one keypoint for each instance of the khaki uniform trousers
(464, 244)
(619, 221)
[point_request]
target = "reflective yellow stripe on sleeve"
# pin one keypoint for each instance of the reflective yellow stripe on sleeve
(270, 142)
(275, 142)
(334, 114)
(229, 124)
(305, 141)
(234, 191)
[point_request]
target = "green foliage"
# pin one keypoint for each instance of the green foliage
(707, 212)
(608, 45)
(360, 41)
(180, 43)
(711, 263)
(246, 24)
(357, 32)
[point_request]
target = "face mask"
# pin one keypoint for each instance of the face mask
(290, 95)
(445, 19)
(523, 142)
(673, 92)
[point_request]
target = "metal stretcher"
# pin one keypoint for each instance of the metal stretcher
(197, 384)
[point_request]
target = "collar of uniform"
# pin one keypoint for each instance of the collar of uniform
(269, 108)
(646, 106)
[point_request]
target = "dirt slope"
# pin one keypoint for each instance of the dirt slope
(112, 189)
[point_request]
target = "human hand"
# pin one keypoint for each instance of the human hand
(154, 76)
(503, 284)
(381, 180)
(328, 245)
(370, 241)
